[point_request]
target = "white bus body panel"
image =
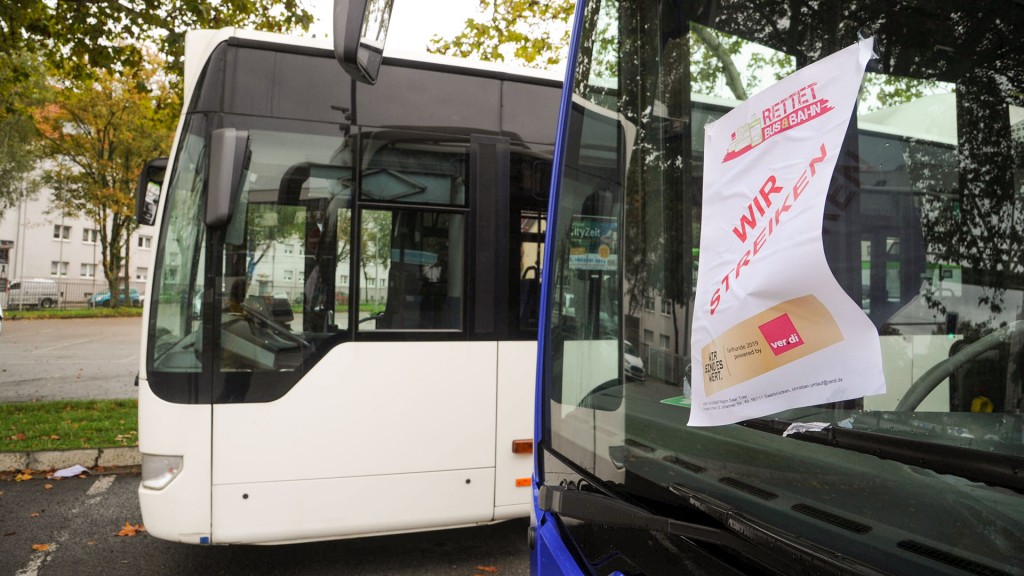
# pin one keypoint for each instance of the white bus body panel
(378, 437)
(517, 372)
(181, 511)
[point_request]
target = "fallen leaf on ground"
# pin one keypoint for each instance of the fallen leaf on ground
(488, 569)
(131, 529)
(22, 477)
(34, 514)
(40, 547)
(19, 436)
(47, 486)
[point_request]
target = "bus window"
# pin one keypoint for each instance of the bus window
(293, 215)
(412, 270)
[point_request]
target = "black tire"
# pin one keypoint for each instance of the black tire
(46, 303)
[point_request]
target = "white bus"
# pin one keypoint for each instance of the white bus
(341, 332)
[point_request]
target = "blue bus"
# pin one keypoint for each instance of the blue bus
(923, 228)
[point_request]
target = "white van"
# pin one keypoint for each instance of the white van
(35, 292)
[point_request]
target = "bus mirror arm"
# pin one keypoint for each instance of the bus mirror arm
(229, 159)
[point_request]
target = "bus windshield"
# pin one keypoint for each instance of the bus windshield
(923, 229)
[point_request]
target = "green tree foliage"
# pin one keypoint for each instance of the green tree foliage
(21, 74)
(82, 36)
(534, 32)
(95, 136)
(80, 40)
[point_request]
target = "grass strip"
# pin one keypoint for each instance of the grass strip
(68, 425)
(55, 314)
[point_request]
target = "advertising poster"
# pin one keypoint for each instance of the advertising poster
(593, 243)
(772, 328)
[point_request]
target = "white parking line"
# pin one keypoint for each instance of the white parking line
(101, 485)
(37, 561)
(93, 495)
(66, 344)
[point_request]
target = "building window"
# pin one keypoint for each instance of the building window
(371, 282)
(287, 274)
(142, 273)
(343, 280)
(90, 235)
(145, 241)
(663, 340)
(648, 337)
(61, 232)
(88, 270)
(58, 268)
(666, 306)
(649, 304)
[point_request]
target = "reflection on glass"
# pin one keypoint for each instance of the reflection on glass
(923, 227)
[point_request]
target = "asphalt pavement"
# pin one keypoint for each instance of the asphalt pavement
(87, 359)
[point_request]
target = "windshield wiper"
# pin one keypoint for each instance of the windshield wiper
(764, 546)
(994, 469)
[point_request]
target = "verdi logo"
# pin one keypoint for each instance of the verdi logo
(796, 109)
(781, 334)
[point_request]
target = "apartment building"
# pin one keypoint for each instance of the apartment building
(37, 242)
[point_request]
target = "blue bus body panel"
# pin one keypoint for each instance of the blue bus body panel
(550, 555)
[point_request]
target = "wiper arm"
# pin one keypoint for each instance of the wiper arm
(782, 553)
(990, 468)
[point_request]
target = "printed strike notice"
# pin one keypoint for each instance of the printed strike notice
(773, 329)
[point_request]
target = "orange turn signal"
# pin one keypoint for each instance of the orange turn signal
(522, 446)
(522, 482)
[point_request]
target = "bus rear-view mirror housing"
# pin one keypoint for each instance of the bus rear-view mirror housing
(229, 158)
(147, 191)
(360, 29)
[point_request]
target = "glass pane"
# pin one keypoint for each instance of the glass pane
(179, 278)
(416, 168)
(284, 246)
(923, 228)
(411, 270)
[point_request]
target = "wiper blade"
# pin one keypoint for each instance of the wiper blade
(994, 469)
(782, 553)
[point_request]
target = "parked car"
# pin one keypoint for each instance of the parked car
(634, 366)
(103, 298)
(34, 292)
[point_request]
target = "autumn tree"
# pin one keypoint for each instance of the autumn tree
(80, 40)
(96, 134)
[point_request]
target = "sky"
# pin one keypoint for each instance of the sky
(413, 22)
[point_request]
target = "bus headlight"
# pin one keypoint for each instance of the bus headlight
(159, 471)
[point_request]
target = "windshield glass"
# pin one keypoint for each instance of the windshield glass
(923, 229)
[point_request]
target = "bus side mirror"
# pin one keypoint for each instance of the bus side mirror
(147, 191)
(229, 159)
(360, 29)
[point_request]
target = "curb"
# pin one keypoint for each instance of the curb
(59, 459)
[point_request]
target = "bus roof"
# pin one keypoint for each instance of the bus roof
(199, 44)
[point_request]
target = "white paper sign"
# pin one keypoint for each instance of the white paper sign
(772, 328)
